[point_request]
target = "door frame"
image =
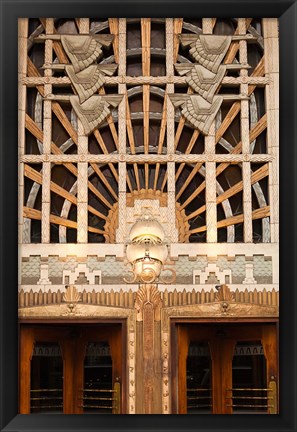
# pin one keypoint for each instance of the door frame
(174, 323)
(27, 323)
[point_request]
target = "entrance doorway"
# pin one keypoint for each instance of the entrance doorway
(226, 368)
(71, 369)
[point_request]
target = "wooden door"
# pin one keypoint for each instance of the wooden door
(70, 369)
(227, 368)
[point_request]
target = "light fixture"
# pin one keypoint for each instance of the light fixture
(147, 252)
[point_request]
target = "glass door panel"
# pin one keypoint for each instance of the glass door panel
(98, 393)
(46, 394)
(199, 391)
(249, 393)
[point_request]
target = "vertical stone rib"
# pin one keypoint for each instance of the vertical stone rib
(22, 92)
(47, 137)
(82, 169)
(210, 167)
(270, 30)
(244, 126)
(170, 131)
(120, 233)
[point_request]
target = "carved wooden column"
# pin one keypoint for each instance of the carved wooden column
(148, 384)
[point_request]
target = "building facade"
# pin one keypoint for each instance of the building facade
(160, 137)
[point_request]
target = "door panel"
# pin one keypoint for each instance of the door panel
(242, 381)
(71, 369)
(46, 394)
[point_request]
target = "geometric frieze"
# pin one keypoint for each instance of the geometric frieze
(108, 270)
(212, 274)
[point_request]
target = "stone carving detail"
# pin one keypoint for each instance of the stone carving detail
(151, 158)
(165, 373)
(148, 294)
(202, 81)
(82, 268)
(86, 77)
(211, 269)
(204, 78)
(83, 50)
(178, 225)
(207, 50)
(198, 111)
(44, 280)
(94, 110)
(88, 81)
(224, 294)
(71, 297)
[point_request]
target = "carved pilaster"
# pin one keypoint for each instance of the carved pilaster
(165, 372)
(148, 304)
(131, 363)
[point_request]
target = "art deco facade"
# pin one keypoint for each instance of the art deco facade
(175, 123)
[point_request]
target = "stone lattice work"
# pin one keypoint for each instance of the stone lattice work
(118, 116)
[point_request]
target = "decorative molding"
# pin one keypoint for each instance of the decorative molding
(152, 158)
(224, 294)
(127, 298)
(212, 268)
(82, 268)
(148, 294)
(71, 297)
(140, 80)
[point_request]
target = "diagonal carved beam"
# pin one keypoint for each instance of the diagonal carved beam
(36, 176)
(256, 131)
(34, 129)
(255, 177)
(36, 214)
(256, 214)
(161, 138)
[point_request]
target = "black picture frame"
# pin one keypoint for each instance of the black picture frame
(11, 10)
